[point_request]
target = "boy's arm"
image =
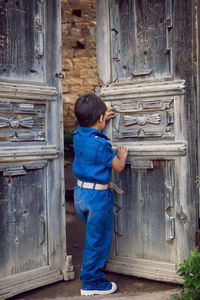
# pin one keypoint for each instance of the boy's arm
(119, 160)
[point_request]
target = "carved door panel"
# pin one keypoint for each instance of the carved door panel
(32, 212)
(145, 77)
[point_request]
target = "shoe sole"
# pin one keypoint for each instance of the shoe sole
(97, 292)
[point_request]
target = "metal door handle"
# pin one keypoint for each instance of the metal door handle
(171, 233)
(41, 230)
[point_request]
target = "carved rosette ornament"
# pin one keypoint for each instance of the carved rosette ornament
(141, 119)
(15, 122)
(21, 122)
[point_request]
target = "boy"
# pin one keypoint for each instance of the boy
(94, 159)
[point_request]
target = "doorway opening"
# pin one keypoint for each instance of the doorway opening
(79, 64)
(80, 70)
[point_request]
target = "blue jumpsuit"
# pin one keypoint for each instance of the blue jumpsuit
(93, 163)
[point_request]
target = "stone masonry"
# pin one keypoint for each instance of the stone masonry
(78, 54)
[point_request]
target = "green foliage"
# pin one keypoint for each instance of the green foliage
(189, 270)
(175, 297)
(68, 141)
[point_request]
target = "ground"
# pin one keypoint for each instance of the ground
(128, 286)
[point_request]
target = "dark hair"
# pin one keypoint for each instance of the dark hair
(88, 109)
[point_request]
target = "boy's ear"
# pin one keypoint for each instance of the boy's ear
(101, 118)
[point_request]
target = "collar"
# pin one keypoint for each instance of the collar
(90, 131)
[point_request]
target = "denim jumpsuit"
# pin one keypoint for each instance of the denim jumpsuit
(93, 163)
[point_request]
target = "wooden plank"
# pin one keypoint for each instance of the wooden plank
(184, 49)
(18, 278)
(19, 91)
(197, 38)
(55, 183)
(103, 41)
(142, 90)
(141, 268)
(30, 283)
(147, 263)
(13, 154)
(157, 149)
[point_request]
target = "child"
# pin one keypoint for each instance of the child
(93, 162)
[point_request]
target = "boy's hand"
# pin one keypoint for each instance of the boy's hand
(122, 152)
(119, 160)
(109, 114)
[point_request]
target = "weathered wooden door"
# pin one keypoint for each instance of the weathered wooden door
(32, 204)
(147, 67)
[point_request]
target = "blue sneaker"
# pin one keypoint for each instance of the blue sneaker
(99, 287)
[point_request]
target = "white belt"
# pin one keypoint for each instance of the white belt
(90, 185)
(98, 186)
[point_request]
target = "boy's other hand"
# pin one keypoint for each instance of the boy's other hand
(109, 114)
(119, 160)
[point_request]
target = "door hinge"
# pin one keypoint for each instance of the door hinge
(60, 75)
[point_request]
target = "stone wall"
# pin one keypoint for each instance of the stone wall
(78, 54)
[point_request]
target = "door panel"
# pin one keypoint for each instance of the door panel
(139, 31)
(143, 215)
(147, 68)
(32, 202)
(23, 221)
(22, 58)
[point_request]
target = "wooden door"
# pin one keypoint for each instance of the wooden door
(32, 203)
(147, 68)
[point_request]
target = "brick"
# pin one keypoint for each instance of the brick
(76, 32)
(67, 53)
(88, 64)
(65, 88)
(67, 64)
(79, 90)
(90, 81)
(85, 53)
(73, 81)
(85, 73)
(73, 73)
(70, 99)
(66, 27)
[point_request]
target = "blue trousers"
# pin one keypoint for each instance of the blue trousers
(95, 208)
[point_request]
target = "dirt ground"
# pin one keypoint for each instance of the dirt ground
(127, 285)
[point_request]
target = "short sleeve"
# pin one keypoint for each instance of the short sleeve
(106, 155)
